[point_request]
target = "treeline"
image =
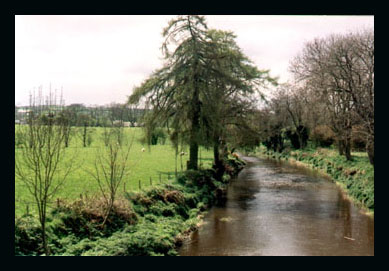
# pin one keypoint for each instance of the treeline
(207, 93)
(330, 101)
(79, 114)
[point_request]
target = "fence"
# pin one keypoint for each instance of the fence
(58, 201)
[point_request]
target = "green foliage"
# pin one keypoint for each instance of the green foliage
(234, 165)
(158, 135)
(144, 239)
(73, 247)
(151, 222)
(27, 236)
(89, 136)
(19, 138)
(205, 83)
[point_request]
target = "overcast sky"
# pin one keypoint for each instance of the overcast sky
(99, 59)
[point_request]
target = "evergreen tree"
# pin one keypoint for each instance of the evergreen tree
(174, 90)
(205, 81)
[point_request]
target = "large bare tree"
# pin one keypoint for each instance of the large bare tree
(341, 69)
(42, 163)
(294, 99)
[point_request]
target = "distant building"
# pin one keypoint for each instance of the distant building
(24, 111)
(118, 123)
(121, 123)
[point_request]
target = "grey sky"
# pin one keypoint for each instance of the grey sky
(98, 59)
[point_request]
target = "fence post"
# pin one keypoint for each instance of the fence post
(27, 209)
(159, 177)
(151, 182)
(140, 186)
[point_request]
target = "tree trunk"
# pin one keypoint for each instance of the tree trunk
(370, 149)
(67, 134)
(218, 163)
(193, 155)
(347, 149)
(84, 136)
(44, 239)
(280, 143)
(216, 158)
(110, 205)
(193, 145)
(347, 143)
(300, 137)
(341, 147)
(300, 134)
(194, 133)
(176, 162)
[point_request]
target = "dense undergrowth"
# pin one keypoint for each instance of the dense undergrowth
(356, 177)
(151, 222)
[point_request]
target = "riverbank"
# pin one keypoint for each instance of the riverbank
(273, 208)
(355, 178)
(151, 222)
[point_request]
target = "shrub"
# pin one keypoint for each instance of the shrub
(84, 217)
(151, 222)
(323, 136)
(158, 135)
(358, 140)
(27, 236)
(145, 239)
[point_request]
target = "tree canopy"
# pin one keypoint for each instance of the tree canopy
(205, 84)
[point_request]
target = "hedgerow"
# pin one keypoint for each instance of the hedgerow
(150, 222)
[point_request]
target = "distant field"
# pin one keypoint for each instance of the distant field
(156, 160)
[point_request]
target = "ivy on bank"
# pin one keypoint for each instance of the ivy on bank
(152, 222)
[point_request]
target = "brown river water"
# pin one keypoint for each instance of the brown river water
(274, 208)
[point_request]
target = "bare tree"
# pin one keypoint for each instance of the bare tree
(41, 164)
(271, 122)
(84, 121)
(353, 71)
(340, 68)
(111, 167)
(65, 117)
(293, 99)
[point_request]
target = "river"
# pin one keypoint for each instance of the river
(274, 208)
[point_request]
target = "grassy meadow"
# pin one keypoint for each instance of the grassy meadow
(155, 161)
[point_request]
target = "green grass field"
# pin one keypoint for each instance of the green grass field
(155, 161)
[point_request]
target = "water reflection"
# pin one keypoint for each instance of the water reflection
(273, 208)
